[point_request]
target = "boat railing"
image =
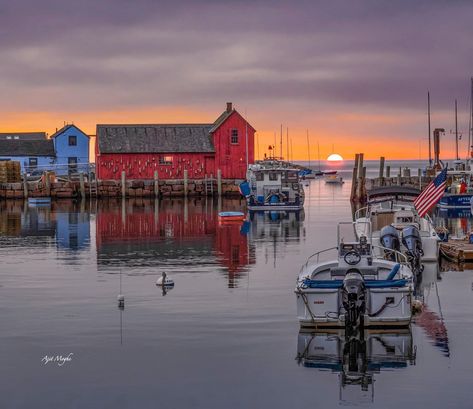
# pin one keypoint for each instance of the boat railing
(399, 257)
(361, 212)
(316, 256)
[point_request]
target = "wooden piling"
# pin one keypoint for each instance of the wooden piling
(360, 165)
(354, 178)
(156, 184)
(219, 182)
(25, 186)
(388, 171)
(123, 184)
(47, 183)
(185, 182)
(82, 185)
(381, 167)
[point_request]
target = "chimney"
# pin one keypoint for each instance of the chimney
(229, 107)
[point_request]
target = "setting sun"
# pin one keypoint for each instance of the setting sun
(334, 157)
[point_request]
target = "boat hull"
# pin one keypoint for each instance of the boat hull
(326, 308)
(276, 207)
(452, 201)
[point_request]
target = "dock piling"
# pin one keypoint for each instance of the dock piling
(82, 185)
(388, 171)
(123, 184)
(185, 182)
(47, 183)
(25, 186)
(156, 184)
(219, 182)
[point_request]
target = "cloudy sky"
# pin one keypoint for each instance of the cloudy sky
(355, 73)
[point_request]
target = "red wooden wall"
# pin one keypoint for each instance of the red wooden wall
(143, 165)
(230, 158)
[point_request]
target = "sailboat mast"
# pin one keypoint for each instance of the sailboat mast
(287, 143)
(280, 145)
(308, 146)
(428, 113)
(318, 152)
(456, 130)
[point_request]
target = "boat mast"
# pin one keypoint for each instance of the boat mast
(456, 130)
(287, 143)
(428, 113)
(318, 152)
(308, 146)
(280, 145)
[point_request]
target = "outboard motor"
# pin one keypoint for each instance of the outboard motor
(413, 243)
(389, 238)
(353, 298)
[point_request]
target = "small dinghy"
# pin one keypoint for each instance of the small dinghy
(356, 289)
(231, 216)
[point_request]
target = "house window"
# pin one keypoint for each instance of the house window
(165, 160)
(72, 140)
(273, 176)
(234, 137)
(33, 163)
(72, 162)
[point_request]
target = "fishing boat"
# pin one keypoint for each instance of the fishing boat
(333, 178)
(459, 191)
(355, 289)
(397, 225)
(271, 186)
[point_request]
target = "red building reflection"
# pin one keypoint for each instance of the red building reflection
(177, 227)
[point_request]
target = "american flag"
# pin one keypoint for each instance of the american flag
(431, 194)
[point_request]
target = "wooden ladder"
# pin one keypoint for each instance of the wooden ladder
(209, 186)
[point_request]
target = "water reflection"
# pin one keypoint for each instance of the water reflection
(274, 230)
(356, 359)
(172, 235)
(66, 222)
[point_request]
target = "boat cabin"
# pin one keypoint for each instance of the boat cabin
(275, 185)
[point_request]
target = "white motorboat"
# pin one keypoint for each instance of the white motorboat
(356, 288)
(394, 224)
(334, 179)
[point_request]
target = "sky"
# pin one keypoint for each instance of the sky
(355, 74)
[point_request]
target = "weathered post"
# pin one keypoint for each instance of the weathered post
(360, 182)
(47, 183)
(219, 182)
(360, 165)
(381, 170)
(82, 185)
(354, 178)
(388, 171)
(25, 186)
(156, 184)
(123, 184)
(185, 182)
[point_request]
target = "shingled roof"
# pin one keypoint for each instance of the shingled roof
(25, 147)
(160, 138)
(27, 136)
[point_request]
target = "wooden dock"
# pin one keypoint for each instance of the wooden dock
(458, 251)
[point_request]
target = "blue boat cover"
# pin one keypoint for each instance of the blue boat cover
(368, 283)
(245, 189)
(231, 214)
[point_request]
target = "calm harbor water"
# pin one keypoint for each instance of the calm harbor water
(226, 336)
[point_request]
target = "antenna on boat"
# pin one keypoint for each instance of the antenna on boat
(428, 116)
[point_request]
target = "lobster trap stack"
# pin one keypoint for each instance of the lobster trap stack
(10, 171)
